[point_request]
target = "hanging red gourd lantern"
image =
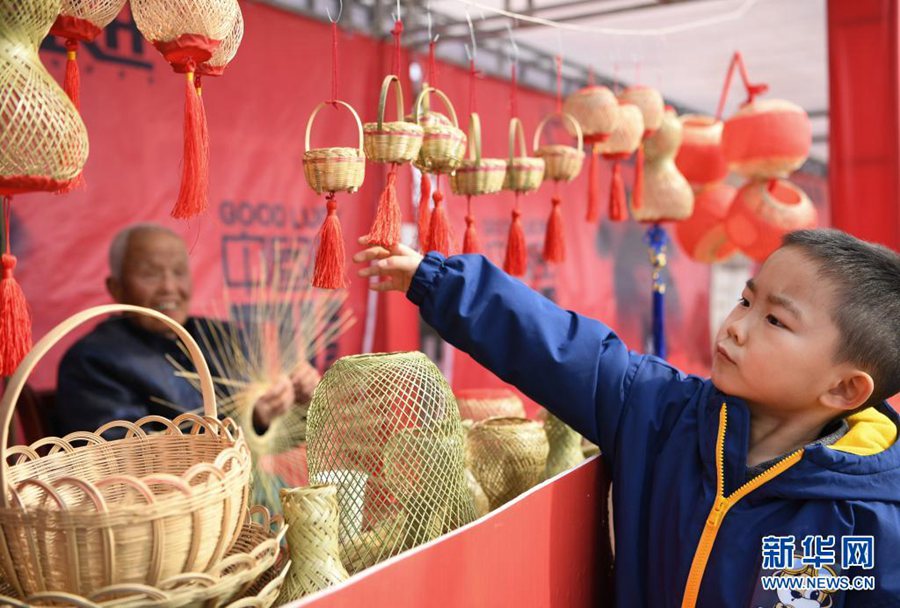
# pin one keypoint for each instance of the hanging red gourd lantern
(596, 110)
(700, 158)
(44, 147)
(667, 194)
(622, 143)
(187, 33)
(767, 138)
(763, 211)
(702, 236)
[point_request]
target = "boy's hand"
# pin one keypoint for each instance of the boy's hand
(396, 267)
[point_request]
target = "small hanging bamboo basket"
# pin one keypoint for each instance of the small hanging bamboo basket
(91, 513)
(523, 173)
(398, 141)
(338, 169)
(476, 175)
(562, 163)
(443, 145)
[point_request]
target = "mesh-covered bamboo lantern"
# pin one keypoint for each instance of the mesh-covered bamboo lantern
(43, 147)
(480, 403)
(476, 176)
(700, 158)
(187, 33)
(562, 164)
(394, 142)
(225, 52)
(667, 194)
(385, 429)
(622, 143)
(763, 211)
(596, 110)
(702, 236)
(767, 138)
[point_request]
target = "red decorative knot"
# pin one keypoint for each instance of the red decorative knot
(9, 262)
(331, 203)
(438, 197)
(71, 47)
(755, 89)
(516, 214)
(470, 219)
(555, 201)
(398, 28)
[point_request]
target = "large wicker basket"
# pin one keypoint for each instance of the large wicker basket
(138, 510)
(562, 163)
(476, 175)
(339, 169)
(443, 145)
(523, 173)
(392, 142)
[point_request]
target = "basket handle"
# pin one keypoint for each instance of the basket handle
(426, 91)
(564, 116)
(475, 138)
(312, 118)
(516, 129)
(18, 379)
(382, 99)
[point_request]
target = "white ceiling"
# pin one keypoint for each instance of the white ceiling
(783, 42)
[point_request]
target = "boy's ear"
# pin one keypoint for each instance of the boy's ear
(114, 288)
(851, 391)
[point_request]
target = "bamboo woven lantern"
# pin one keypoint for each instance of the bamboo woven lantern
(622, 143)
(562, 162)
(763, 211)
(767, 138)
(480, 403)
(700, 158)
(475, 175)
(226, 51)
(667, 196)
(702, 236)
(649, 102)
(596, 110)
(138, 510)
(187, 33)
(332, 170)
(524, 173)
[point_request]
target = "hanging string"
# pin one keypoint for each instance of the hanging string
(753, 89)
(592, 79)
(396, 32)
(513, 94)
(472, 54)
(334, 52)
(7, 212)
(559, 97)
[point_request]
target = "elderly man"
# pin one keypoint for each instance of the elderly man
(115, 371)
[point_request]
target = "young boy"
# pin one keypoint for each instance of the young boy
(783, 465)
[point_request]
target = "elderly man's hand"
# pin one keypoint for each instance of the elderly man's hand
(305, 379)
(277, 400)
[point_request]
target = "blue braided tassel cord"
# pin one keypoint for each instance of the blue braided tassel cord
(656, 240)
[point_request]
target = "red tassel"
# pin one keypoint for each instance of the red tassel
(593, 210)
(424, 211)
(439, 228)
(637, 190)
(329, 270)
(471, 242)
(516, 260)
(554, 240)
(616, 194)
(72, 82)
(386, 227)
(15, 320)
(193, 196)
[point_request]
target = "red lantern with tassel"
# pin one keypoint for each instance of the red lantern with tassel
(35, 158)
(622, 143)
(667, 194)
(524, 174)
(763, 211)
(187, 33)
(596, 110)
(332, 170)
(562, 164)
(702, 236)
(767, 138)
(395, 143)
(700, 158)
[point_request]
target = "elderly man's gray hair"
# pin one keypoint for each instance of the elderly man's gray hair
(119, 244)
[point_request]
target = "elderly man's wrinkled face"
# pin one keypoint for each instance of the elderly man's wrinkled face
(155, 274)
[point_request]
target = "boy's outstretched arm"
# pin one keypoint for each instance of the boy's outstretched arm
(575, 366)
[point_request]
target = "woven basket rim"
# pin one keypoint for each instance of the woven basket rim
(506, 422)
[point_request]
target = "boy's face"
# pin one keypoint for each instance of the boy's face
(776, 348)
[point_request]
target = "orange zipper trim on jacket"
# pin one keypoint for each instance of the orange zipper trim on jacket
(721, 506)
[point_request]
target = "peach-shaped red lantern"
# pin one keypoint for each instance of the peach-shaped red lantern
(700, 158)
(702, 236)
(767, 138)
(763, 211)
(622, 143)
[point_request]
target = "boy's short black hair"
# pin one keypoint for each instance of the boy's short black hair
(866, 279)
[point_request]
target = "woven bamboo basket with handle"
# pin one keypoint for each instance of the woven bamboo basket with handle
(138, 510)
(443, 145)
(398, 141)
(523, 173)
(338, 169)
(476, 175)
(562, 163)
